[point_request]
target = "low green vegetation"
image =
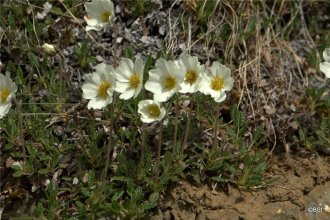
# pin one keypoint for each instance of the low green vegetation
(55, 150)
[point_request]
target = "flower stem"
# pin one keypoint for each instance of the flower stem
(109, 147)
(144, 127)
(215, 139)
(176, 122)
(143, 143)
(21, 129)
(187, 129)
(159, 150)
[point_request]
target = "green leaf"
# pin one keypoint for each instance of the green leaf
(153, 199)
(11, 67)
(91, 177)
(18, 173)
(44, 157)
(220, 179)
(28, 25)
(231, 133)
(57, 10)
(260, 168)
(258, 134)
(117, 196)
(11, 21)
(237, 117)
(251, 26)
(33, 59)
(43, 171)
(79, 204)
(16, 167)
(115, 207)
(86, 192)
(20, 74)
(128, 52)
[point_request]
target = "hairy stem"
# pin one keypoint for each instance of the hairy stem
(109, 147)
(143, 142)
(176, 119)
(216, 122)
(159, 150)
(20, 125)
(187, 129)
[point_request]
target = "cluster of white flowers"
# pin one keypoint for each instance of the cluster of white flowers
(7, 92)
(325, 66)
(126, 79)
(185, 75)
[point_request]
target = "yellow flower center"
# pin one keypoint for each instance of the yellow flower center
(217, 83)
(191, 77)
(169, 82)
(154, 110)
(105, 16)
(134, 80)
(102, 90)
(4, 93)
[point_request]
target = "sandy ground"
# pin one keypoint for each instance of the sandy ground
(301, 191)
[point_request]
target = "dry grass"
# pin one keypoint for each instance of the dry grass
(268, 62)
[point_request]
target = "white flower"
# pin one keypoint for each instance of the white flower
(216, 81)
(129, 77)
(99, 86)
(75, 181)
(99, 14)
(7, 91)
(49, 48)
(165, 80)
(150, 111)
(325, 66)
(193, 73)
(46, 10)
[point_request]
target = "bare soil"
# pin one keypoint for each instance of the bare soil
(301, 191)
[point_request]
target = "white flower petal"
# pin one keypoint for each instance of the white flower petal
(90, 21)
(49, 48)
(121, 87)
(99, 103)
(164, 96)
(325, 68)
(95, 11)
(190, 63)
(164, 69)
(7, 92)
(102, 79)
(88, 78)
(154, 87)
(124, 70)
(100, 68)
(4, 109)
(127, 95)
(139, 66)
(229, 83)
(137, 90)
(217, 70)
(125, 73)
(143, 110)
(120, 77)
(160, 64)
(220, 97)
(326, 55)
(89, 91)
(94, 27)
(155, 75)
